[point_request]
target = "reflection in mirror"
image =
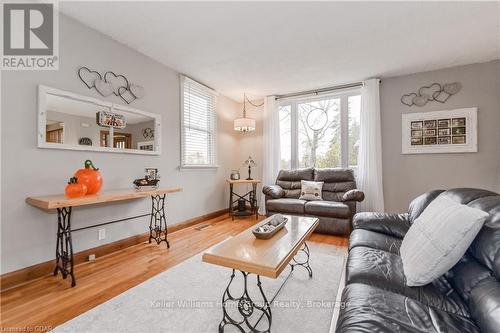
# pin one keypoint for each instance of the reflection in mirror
(86, 123)
(133, 135)
(72, 122)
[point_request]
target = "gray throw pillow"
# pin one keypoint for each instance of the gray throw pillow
(438, 239)
(311, 191)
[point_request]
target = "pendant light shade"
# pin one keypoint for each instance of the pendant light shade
(244, 124)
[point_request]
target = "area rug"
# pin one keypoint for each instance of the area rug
(187, 299)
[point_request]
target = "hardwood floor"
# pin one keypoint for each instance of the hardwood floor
(50, 301)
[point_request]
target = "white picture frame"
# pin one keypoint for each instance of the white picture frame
(145, 145)
(447, 131)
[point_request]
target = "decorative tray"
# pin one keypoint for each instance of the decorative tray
(269, 228)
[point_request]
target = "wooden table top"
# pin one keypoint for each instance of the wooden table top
(266, 257)
(60, 200)
(243, 181)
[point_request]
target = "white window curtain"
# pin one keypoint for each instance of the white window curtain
(369, 174)
(271, 146)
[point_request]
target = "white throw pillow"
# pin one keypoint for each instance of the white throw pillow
(437, 239)
(311, 190)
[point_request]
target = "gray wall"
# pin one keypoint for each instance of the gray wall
(72, 129)
(28, 234)
(406, 176)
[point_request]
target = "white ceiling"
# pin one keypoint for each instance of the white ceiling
(268, 48)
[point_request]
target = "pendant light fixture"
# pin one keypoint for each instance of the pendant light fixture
(245, 124)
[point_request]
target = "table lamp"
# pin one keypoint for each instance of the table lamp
(250, 162)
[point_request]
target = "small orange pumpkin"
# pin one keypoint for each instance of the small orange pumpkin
(75, 189)
(90, 176)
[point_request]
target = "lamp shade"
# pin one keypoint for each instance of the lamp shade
(244, 124)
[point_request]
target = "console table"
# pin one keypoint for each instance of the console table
(250, 197)
(64, 246)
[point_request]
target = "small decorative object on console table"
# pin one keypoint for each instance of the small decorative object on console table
(90, 176)
(64, 206)
(235, 174)
(149, 182)
(250, 163)
(249, 197)
(74, 189)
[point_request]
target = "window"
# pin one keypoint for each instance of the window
(198, 124)
(320, 132)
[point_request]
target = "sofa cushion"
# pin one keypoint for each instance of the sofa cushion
(286, 205)
(337, 182)
(390, 224)
(485, 305)
(333, 175)
(328, 209)
(421, 202)
(438, 238)
(290, 180)
(374, 240)
(466, 275)
(486, 246)
(385, 270)
(371, 309)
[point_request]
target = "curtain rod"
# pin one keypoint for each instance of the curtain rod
(319, 91)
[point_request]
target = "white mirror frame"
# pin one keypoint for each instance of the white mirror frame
(42, 121)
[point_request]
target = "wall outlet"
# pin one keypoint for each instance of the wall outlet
(101, 234)
(91, 257)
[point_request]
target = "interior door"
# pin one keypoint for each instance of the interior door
(120, 140)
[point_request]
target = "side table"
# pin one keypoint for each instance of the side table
(249, 197)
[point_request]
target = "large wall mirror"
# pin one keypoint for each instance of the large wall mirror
(71, 121)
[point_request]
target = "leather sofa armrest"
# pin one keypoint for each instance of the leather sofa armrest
(273, 191)
(390, 224)
(353, 195)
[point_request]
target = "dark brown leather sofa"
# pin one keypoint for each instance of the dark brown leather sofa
(465, 299)
(339, 194)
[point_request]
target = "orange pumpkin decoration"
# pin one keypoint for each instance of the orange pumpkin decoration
(90, 177)
(75, 189)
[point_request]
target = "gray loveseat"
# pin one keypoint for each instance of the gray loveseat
(339, 195)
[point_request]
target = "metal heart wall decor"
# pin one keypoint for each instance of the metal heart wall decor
(88, 77)
(117, 81)
(430, 90)
(104, 88)
(408, 99)
(126, 95)
(111, 83)
(435, 92)
(420, 100)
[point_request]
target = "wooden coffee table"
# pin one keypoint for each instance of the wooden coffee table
(267, 258)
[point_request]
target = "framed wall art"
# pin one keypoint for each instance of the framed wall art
(449, 131)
